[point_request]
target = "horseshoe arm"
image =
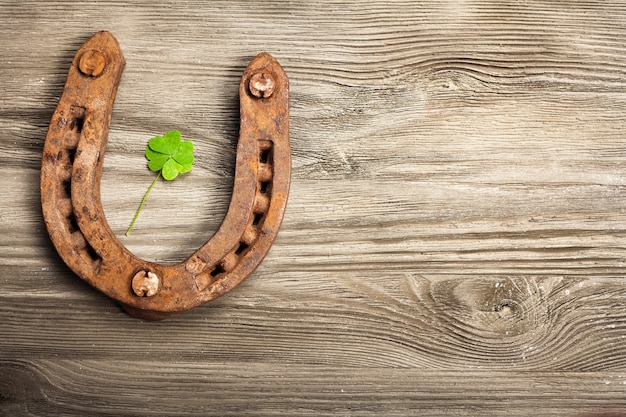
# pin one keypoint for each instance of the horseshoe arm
(70, 189)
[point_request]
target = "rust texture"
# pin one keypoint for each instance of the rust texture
(70, 189)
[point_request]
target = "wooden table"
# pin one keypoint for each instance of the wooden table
(454, 242)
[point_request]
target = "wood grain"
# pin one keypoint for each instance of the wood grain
(454, 241)
(307, 390)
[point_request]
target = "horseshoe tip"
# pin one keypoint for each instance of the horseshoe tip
(103, 42)
(263, 59)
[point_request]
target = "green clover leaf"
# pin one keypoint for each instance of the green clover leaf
(168, 155)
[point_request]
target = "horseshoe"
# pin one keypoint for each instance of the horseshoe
(70, 189)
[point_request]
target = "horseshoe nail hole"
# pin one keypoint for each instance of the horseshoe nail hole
(241, 248)
(77, 124)
(78, 118)
(257, 219)
(96, 260)
(219, 269)
(67, 187)
(72, 224)
(265, 155)
(264, 187)
(71, 154)
(92, 253)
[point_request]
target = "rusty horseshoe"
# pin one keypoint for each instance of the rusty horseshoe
(70, 189)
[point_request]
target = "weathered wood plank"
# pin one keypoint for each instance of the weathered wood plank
(190, 388)
(359, 319)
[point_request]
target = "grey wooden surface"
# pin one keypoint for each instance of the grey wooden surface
(454, 242)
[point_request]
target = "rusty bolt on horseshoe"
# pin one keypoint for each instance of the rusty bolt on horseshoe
(92, 63)
(146, 284)
(261, 85)
(72, 166)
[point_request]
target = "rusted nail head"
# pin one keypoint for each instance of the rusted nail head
(146, 284)
(92, 63)
(229, 262)
(249, 235)
(261, 85)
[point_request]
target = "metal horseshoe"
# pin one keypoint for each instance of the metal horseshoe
(70, 189)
